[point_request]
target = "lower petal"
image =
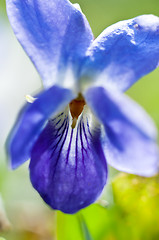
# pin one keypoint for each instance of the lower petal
(129, 140)
(68, 167)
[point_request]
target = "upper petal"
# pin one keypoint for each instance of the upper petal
(130, 137)
(31, 122)
(123, 53)
(68, 167)
(54, 34)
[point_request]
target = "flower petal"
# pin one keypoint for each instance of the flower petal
(68, 167)
(31, 122)
(54, 34)
(123, 53)
(130, 136)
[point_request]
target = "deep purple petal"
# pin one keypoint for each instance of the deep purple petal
(123, 53)
(54, 34)
(31, 122)
(68, 167)
(130, 136)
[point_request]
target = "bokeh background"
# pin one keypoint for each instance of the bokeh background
(129, 205)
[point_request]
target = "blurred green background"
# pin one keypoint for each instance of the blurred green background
(129, 206)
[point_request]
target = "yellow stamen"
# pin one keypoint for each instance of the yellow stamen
(30, 99)
(74, 121)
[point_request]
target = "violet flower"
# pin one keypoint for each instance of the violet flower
(82, 121)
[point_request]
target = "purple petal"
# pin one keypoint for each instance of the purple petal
(54, 34)
(31, 122)
(123, 53)
(130, 136)
(68, 167)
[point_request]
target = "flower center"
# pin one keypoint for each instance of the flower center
(76, 108)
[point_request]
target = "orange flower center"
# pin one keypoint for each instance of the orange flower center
(76, 108)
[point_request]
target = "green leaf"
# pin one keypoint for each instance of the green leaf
(138, 198)
(2, 7)
(68, 227)
(84, 229)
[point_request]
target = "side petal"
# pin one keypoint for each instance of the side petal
(130, 136)
(32, 120)
(54, 34)
(67, 166)
(123, 53)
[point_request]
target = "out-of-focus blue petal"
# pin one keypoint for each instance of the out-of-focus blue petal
(123, 53)
(54, 34)
(68, 167)
(31, 122)
(130, 136)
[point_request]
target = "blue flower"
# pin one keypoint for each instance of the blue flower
(82, 120)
